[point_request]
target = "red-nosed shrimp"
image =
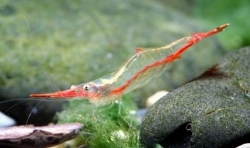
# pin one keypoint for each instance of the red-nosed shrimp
(143, 66)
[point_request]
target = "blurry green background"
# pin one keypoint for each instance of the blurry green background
(50, 45)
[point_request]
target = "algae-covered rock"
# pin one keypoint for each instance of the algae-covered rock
(210, 111)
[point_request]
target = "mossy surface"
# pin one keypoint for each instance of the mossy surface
(211, 111)
(112, 125)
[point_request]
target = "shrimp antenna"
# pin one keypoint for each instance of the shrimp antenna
(14, 104)
(51, 84)
(33, 111)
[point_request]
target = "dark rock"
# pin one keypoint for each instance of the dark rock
(210, 111)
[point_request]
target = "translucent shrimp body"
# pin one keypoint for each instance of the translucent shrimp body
(143, 66)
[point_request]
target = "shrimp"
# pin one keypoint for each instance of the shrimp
(138, 70)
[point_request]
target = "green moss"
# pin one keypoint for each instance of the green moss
(104, 126)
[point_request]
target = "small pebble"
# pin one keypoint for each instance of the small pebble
(6, 121)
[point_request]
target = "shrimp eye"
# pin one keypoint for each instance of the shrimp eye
(86, 87)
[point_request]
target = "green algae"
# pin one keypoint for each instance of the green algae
(104, 126)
